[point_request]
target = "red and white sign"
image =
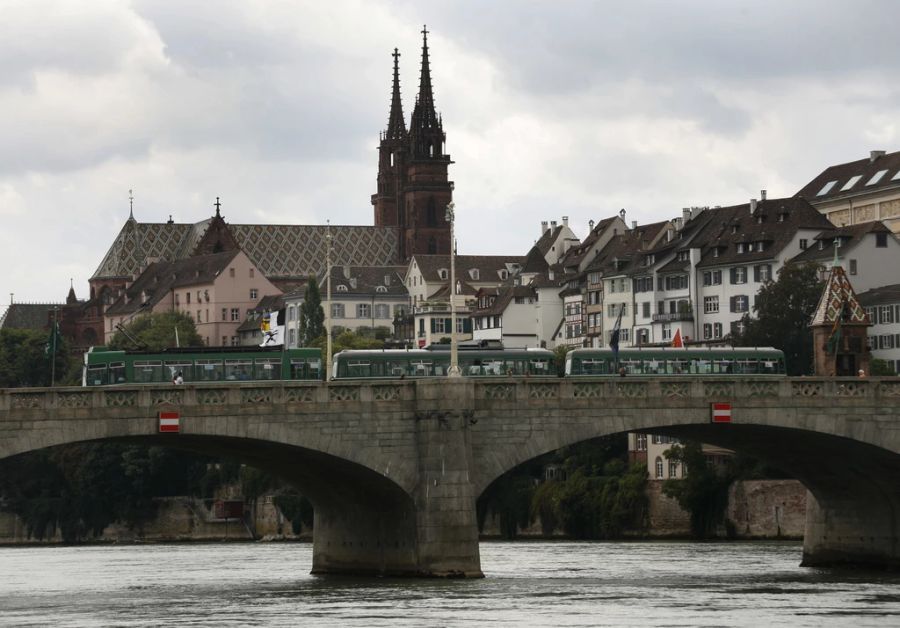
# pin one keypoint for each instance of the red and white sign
(170, 422)
(721, 413)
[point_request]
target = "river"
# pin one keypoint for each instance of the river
(527, 584)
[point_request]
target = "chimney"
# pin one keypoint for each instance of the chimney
(553, 224)
(550, 274)
(353, 282)
(591, 225)
(685, 213)
(762, 195)
(565, 220)
(544, 227)
(634, 224)
(346, 272)
(679, 224)
(875, 154)
(752, 205)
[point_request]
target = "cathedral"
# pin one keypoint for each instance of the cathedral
(410, 201)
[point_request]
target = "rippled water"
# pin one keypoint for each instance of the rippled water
(527, 584)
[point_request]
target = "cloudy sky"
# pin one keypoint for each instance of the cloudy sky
(550, 109)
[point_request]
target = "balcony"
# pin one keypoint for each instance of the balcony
(673, 317)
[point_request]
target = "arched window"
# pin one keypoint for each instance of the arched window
(341, 288)
(659, 467)
(380, 289)
(431, 214)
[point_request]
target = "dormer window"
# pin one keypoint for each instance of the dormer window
(380, 289)
(740, 247)
(715, 251)
(442, 273)
(473, 273)
(683, 256)
(504, 274)
(760, 219)
(734, 229)
(341, 288)
(821, 245)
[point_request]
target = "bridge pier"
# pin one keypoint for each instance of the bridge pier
(851, 533)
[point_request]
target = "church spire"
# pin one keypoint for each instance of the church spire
(425, 99)
(396, 129)
(426, 132)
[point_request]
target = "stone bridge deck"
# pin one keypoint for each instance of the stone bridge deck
(394, 467)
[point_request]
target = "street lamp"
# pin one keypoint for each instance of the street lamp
(328, 300)
(453, 371)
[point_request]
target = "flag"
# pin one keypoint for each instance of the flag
(677, 342)
(614, 338)
(52, 345)
(272, 328)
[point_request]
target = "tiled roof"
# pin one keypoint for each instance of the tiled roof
(575, 255)
(535, 262)
(624, 253)
(726, 227)
(850, 236)
(489, 266)
(278, 251)
(842, 174)
(159, 278)
(880, 296)
(367, 280)
(505, 294)
(547, 239)
(28, 315)
(839, 301)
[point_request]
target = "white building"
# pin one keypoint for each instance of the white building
(883, 309)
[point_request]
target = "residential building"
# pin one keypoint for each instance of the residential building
(216, 290)
(882, 306)
(859, 191)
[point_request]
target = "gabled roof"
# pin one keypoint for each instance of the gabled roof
(160, 278)
(775, 222)
(831, 182)
(880, 296)
(850, 236)
(363, 280)
(547, 239)
(278, 251)
(839, 301)
(489, 266)
(624, 253)
(505, 295)
(576, 254)
(28, 315)
(535, 262)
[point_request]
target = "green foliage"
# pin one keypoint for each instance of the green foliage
(24, 361)
(312, 316)
(702, 492)
(80, 489)
(156, 332)
(560, 352)
(881, 368)
(355, 340)
(784, 310)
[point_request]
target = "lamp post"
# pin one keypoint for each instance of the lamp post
(328, 300)
(453, 371)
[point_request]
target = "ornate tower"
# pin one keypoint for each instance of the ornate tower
(427, 191)
(392, 153)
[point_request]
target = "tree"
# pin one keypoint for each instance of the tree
(702, 492)
(880, 368)
(559, 354)
(156, 332)
(312, 316)
(784, 310)
(24, 360)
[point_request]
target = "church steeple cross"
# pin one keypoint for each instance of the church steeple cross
(218, 205)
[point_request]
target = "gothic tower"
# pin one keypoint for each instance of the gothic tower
(413, 188)
(392, 161)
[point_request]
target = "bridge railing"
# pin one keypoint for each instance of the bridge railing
(405, 391)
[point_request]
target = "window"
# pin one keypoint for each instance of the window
(235, 314)
(853, 181)
(254, 294)
(199, 318)
(187, 297)
(826, 188)
(886, 314)
(803, 244)
(442, 273)
(717, 330)
(853, 267)
(342, 287)
(382, 310)
(676, 282)
(224, 315)
(673, 469)
(740, 303)
(738, 327)
(876, 177)
(707, 331)
(292, 337)
(235, 341)
(612, 285)
(224, 341)
(290, 313)
(659, 467)
(231, 272)
(640, 442)
(711, 305)
(666, 331)
(739, 275)
(881, 240)
(712, 278)
(337, 310)
(252, 272)
(762, 273)
(460, 325)
(473, 273)
(646, 309)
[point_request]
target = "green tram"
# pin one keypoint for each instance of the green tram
(200, 364)
(664, 361)
(393, 363)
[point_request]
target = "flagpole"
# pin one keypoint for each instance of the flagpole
(53, 333)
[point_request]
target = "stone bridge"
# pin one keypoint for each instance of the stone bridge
(393, 468)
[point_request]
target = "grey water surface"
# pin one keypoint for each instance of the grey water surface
(527, 584)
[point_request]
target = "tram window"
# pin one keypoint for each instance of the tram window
(678, 367)
(632, 367)
(652, 367)
(96, 375)
(117, 373)
(539, 367)
(358, 368)
(315, 368)
(209, 371)
(493, 367)
(768, 367)
(422, 368)
(267, 369)
(703, 367)
(238, 369)
(179, 366)
(146, 371)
